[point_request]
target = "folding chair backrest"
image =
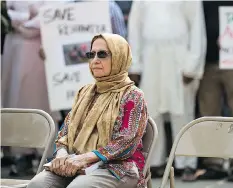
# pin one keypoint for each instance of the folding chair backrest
(203, 137)
(211, 137)
(29, 128)
(149, 140)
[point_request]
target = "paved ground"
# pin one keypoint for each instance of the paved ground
(198, 184)
(156, 182)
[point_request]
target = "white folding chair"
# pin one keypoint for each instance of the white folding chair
(203, 137)
(149, 140)
(30, 128)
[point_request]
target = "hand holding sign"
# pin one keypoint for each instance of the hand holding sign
(42, 53)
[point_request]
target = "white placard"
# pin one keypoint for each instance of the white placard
(67, 30)
(226, 37)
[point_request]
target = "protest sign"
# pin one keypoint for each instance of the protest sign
(67, 30)
(226, 37)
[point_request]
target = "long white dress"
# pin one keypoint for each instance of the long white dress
(168, 40)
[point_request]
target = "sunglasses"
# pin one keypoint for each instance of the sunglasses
(100, 54)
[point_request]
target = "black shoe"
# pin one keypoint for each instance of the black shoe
(211, 174)
(230, 177)
(6, 161)
(188, 175)
(157, 172)
(178, 172)
(14, 171)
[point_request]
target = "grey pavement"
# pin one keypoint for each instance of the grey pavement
(197, 184)
(156, 182)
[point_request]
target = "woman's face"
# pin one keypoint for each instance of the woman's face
(100, 60)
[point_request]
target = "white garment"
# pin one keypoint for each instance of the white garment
(20, 11)
(167, 40)
(177, 122)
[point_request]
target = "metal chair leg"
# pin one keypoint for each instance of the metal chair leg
(148, 179)
(172, 178)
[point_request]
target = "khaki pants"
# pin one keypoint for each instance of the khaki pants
(214, 82)
(100, 178)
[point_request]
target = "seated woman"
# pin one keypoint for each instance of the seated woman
(106, 123)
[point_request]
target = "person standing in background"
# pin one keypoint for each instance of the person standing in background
(215, 81)
(117, 19)
(23, 72)
(168, 44)
(125, 7)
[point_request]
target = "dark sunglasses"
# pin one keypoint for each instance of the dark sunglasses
(100, 54)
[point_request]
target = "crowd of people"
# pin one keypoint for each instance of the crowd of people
(175, 62)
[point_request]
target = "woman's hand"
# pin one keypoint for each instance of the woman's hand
(78, 162)
(73, 164)
(57, 165)
(42, 53)
(68, 165)
(59, 162)
(187, 79)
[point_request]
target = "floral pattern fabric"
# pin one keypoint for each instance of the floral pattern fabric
(125, 148)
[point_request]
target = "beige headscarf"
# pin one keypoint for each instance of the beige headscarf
(90, 130)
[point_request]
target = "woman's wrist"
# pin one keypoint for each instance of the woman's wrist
(91, 157)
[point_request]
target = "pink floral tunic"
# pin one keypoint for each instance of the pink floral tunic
(125, 149)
